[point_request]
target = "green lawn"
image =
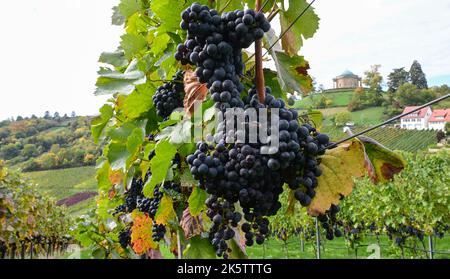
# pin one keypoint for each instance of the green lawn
(368, 116)
(336, 249)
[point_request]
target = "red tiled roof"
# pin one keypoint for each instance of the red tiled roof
(440, 115)
(421, 112)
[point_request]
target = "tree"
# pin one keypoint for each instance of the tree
(47, 115)
(19, 118)
(9, 151)
(33, 116)
(397, 78)
(409, 95)
(73, 114)
(341, 118)
(29, 150)
(418, 76)
(373, 80)
(56, 115)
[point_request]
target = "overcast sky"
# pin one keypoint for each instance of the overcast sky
(49, 48)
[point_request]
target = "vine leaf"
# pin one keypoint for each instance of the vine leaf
(159, 165)
(138, 102)
(99, 123)
(292, 72)
(129, 7)
(118, 155)
(141, 233)
(191, 225)
(271, 80)
(303, 29)
(111, 82)
(237, 246)
(168, 12)
(116, 59)
(197, 201)
(165, 211)
(199, 248)
(339, 166)
(383, 163)
(195, 91)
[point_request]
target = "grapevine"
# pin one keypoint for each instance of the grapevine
(224, 189)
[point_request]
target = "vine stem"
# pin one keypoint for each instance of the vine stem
(259, 65)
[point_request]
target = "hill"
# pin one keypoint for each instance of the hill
(393, 138)
(47, 143)
(334, 98)
(74, 187)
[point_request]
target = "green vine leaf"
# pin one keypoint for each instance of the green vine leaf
(271, 79)
(133, 44)
(159, 165)
(168, 11)
(303, 29)
(116, 59)
(383, 163)
(98, 124)
(199, 248)
(111, 82)
(128, 7)
(197, 201)
(118, 155)
(139, 102)
(292, 72)
(117, 18)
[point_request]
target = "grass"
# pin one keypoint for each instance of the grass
(63, 183)
(368, 116)
(336, 249)
(338, 99)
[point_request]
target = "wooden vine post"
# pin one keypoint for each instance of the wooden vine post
(260, 88)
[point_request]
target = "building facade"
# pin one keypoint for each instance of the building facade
(417, 120)
(347, 80)
(438, 119)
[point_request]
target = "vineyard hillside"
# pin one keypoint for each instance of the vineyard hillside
(393, 138)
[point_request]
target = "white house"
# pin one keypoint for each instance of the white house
(438, 119)
(417, 120)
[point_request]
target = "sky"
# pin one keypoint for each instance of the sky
(50, 52)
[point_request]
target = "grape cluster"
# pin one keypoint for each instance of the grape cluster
(169, 96)
(135, 199)
(235, 169)
(249, 173)
(125, 238)
(150, 206)
(329, 222)
(214, 45)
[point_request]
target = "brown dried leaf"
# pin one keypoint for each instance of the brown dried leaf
(195, 91)
(192, 226)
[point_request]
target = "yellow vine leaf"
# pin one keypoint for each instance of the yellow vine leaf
(339, 166)
(165, 211)
(141, 233)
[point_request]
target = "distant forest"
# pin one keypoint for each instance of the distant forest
(49, 142)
